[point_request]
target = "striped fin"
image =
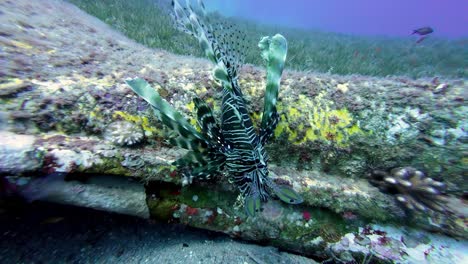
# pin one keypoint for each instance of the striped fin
(200, 165)
(254, 190)
(190, 159)
(193, 145)
(274, 50)
(222, 44)
(207, 121)
(188, 135)
(207, 171)
(231, 48)
(181, 16)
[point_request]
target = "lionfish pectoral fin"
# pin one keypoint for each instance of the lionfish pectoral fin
(190, 158)
(188, 135)
(274, 51)
(221, 75)
(207, 121)
(252, 204)
(288, 195)
(206, 172)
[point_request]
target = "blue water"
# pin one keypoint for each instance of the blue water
(361, 17)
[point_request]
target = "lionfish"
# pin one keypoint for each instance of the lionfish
(231, 144)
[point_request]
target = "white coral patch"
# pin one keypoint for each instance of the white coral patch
(124, 133)
(67, 159)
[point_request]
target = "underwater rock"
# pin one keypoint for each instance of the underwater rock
(100, 192)
(333, 130)
(18, 153)
(12, 87)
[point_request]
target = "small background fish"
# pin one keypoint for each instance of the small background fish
(423, 31)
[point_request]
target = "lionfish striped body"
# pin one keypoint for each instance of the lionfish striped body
(233, 144)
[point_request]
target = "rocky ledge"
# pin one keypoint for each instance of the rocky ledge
(73, 132)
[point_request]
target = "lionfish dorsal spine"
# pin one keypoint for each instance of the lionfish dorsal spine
(217, 43)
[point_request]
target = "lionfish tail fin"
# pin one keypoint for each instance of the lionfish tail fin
(288, 195)
(285, 194)
(252, 204)
(274, 51)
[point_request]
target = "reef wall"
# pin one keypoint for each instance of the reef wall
(64, 108)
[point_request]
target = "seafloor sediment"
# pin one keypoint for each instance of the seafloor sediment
(65, 108)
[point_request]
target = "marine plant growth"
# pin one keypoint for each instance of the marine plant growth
(229, 143)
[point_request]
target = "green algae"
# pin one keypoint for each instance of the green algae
(111, 166)
(162, 209)
(364, 209)
(207, 199)
(323, 223)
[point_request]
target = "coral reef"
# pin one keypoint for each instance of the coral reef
(317, 120)
(387, 244)
(412, 188)
(124, 133)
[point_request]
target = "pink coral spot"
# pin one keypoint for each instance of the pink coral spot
(306, 215)
(348, 215)
(191, 210)
(176, 192)
(173, 174)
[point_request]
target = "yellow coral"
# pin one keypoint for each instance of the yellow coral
(11, 84)
(464, 160)
(317, 119)
(306, 121)
(194, 123)
(282, 127)
(256, 117)
(201, 91)
(294, 113)
(143, 121)
(190, 106)
(21, 45)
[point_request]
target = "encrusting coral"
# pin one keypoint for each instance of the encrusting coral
(412, 188)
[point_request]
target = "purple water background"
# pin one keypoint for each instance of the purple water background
(449, 18)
